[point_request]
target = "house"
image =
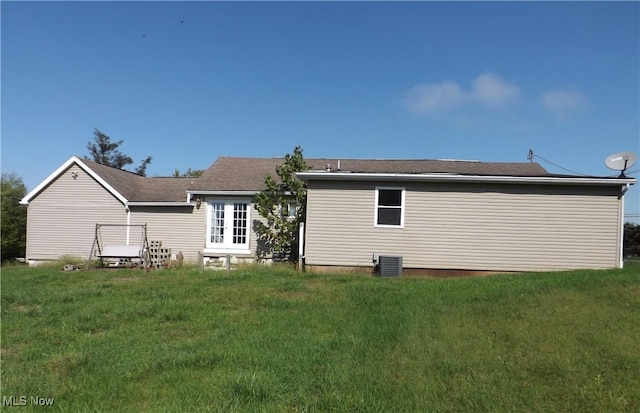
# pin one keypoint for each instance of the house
(211, 216)
(64, 209)
(435, 214)
(461, 216)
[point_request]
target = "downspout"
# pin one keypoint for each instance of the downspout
(128, 222)
(301, 242)
(621, 229)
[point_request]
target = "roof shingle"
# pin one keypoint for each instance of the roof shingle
(247, 174)
(137, 188)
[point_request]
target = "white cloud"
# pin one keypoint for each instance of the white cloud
(563, 102)
(433, 98)
(488, 90)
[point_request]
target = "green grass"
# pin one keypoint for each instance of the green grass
(272, 340)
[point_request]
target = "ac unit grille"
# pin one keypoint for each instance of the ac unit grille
(390, 266)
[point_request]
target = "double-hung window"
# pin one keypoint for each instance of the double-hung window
(389, 207)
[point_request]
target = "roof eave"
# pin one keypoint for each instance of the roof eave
(192, 192)
(444, 177)
(160, 203)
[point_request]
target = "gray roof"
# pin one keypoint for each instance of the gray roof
(137, 188)
(247, 174)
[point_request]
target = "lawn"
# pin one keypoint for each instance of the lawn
(273, 340)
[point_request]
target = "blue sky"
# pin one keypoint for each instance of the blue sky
(189, 82)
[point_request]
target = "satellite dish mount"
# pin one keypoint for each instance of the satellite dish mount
(621, 161)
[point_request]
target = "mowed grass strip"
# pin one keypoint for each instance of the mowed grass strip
(273, 340)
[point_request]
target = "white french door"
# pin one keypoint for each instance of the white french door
(228, 229)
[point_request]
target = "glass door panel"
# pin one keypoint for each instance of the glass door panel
(217, 223)
(240, 223)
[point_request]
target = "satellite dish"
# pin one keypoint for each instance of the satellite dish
(621, 161)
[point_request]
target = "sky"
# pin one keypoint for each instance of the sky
(187, 82)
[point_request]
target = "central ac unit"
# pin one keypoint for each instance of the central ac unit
(390, 266)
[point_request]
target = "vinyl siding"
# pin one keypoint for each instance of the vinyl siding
(467, 226)
(184, 228)
(253, 240)
(61, 219)
(180, 228)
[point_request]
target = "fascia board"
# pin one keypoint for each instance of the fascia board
(64, 167)
(544, 180)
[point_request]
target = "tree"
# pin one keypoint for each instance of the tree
(283, 205)
(142, 169)
(14, 217)
(105, 152)
(631, 239)
(188, 173)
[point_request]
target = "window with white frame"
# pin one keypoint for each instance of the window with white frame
(389, 207)
(289, 210)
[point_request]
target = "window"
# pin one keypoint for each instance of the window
(389, 207)
(289, 210)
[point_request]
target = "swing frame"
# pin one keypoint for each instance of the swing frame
(120, 251)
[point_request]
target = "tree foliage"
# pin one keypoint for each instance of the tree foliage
(105, 152)
(188, 173)
(14, 217)
(632, 239)
(283, 205)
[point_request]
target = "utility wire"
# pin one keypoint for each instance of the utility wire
(532, 155)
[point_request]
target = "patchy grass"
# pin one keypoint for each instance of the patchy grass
(272, 340)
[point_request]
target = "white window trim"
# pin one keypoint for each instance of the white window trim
(209, 248)
(402, 206)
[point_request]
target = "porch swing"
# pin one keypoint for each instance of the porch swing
(111, 254)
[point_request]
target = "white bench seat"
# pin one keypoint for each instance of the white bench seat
(121, 251)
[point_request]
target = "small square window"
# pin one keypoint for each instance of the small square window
(390, 197)
(389, 216)
(289, 210)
